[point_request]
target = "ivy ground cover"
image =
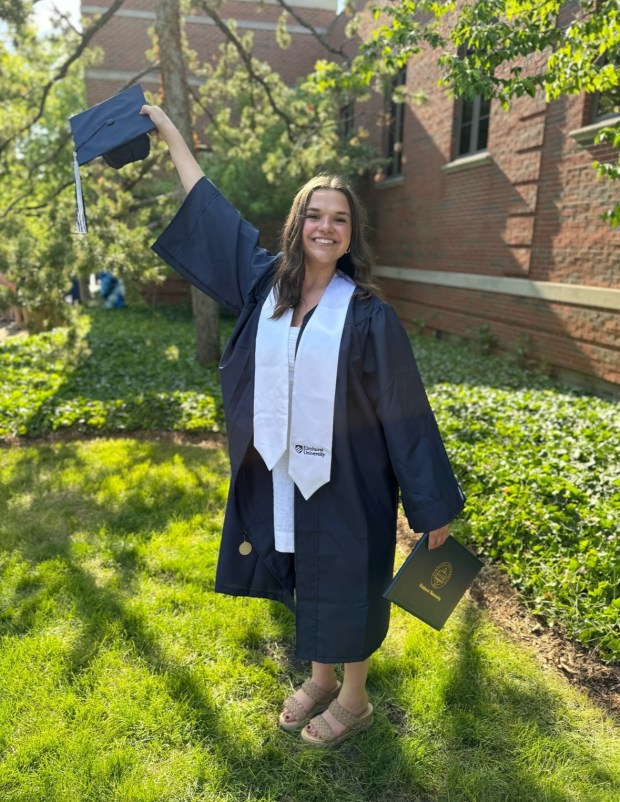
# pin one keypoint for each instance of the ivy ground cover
(540, 466)
(539, 463)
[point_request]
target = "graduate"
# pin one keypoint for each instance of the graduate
(327, 420)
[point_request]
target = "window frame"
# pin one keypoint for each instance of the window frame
(595, 101)
(346, 120)
(594, 115)
(395, 126)
(474, 145)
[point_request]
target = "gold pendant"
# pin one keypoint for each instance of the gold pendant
(245, 548)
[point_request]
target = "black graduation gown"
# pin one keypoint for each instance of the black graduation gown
(385, 437)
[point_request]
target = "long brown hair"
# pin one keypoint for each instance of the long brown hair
(357, 263)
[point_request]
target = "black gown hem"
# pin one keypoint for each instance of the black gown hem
(227, 590)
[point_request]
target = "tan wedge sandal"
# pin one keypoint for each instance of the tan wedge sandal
(321, 699)
(325, 736)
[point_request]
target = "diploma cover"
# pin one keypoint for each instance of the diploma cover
(430, 583)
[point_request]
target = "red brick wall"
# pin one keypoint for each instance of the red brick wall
(571, 339)
(533, 212)
(572, 244)
(174, 291)
(125, 41)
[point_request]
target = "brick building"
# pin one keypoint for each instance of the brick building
(492, 218)
(485, 217)
(125, 39)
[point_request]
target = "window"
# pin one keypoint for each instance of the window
(472, 117)
(606, 104)
(347, 121)
(473, 125)
(395, 122)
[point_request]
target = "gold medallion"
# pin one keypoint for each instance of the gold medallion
(245, 548)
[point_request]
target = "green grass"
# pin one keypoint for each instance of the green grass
(540, 464)
(124, 677)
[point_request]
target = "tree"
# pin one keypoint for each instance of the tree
(41, 85)
(34, 226)
(14, 11)
(265, 138)
(177, 99)
(258, 156)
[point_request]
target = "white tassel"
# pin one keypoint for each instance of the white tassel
(81, 224)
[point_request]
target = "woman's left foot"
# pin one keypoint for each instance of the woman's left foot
(336, 725)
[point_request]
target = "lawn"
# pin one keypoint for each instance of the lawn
(125, 678)
(540, 463)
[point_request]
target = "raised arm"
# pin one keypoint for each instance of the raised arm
(190, 172)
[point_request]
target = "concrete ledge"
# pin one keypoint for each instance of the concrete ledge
(388, 183)
(254, 25)
(468, 162)
(574, 294)
(125, 76)
(587, 134)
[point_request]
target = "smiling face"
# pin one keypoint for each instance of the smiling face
(326, 231)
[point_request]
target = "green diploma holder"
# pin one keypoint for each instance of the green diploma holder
(430, 583)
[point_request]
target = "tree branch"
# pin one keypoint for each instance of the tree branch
(149, 68)
(153, 200)
(87, 35)
(247, 61)
(29, 210)
(212, 119)
(336, 51)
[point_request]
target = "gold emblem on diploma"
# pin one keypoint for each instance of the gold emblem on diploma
(441, 575)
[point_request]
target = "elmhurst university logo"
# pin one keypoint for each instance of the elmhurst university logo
(310, 451)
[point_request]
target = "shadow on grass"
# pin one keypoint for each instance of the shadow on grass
(56, 493)
(506, 733)
(113, 498)
(64, 486)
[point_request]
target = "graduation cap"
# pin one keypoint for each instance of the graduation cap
(114, 129)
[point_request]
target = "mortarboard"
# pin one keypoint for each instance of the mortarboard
(114, 129)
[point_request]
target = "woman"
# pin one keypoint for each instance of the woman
(327, 418)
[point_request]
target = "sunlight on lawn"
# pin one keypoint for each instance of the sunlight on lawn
(126, 678)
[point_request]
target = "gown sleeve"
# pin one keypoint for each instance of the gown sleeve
(213, 247)
(430, 493)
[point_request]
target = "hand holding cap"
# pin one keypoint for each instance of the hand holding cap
(113, 129)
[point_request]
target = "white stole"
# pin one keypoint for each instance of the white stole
(314, 386)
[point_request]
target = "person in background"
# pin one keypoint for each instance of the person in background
(74, 295)
(327, 420)
(111, 290)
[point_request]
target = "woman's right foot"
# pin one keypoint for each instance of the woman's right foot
(306, 702)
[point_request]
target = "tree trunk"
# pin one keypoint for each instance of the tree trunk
(176, 101)
(85, 294)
